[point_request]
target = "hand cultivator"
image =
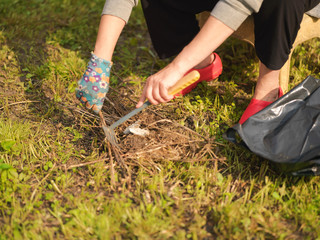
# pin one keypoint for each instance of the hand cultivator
(184, 82)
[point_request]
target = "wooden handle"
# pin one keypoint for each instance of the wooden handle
(184, 82)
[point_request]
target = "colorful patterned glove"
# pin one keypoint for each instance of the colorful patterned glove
(94, 84)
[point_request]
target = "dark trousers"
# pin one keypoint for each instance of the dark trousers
(172, 25)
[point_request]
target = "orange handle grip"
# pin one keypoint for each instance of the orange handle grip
(184, 82)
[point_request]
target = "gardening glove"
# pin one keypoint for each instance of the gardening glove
(94, 84)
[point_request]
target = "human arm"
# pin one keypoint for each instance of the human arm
(212, 35)
(115, 15)
(225, 18)
(94, 84)
(110, 29)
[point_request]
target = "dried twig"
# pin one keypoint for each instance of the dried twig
(36, 188)
(55, 187)
(120, 159)
(87, 163)
(111, 166)
(179, 125)
(16, 103)
(198, 160)
(149, 150)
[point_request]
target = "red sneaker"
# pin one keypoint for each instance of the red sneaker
(206, 74)
(255, 106)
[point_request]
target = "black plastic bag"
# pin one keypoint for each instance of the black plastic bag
(287, 131)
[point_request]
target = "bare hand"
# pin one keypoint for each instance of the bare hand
(157, 85)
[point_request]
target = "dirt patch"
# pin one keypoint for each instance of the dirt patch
(167, 140)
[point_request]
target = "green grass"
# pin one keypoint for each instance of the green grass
(57, 180)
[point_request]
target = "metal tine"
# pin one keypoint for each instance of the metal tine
(109, 133)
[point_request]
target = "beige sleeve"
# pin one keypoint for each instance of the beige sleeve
(119, 8)
(234, 12)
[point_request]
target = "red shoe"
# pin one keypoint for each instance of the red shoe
(206, 74)
(255, 106)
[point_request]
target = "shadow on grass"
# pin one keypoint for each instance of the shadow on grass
(38, 30)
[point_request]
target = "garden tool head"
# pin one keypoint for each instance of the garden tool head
(184, 82)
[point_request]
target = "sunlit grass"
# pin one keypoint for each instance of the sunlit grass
(55, 181)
